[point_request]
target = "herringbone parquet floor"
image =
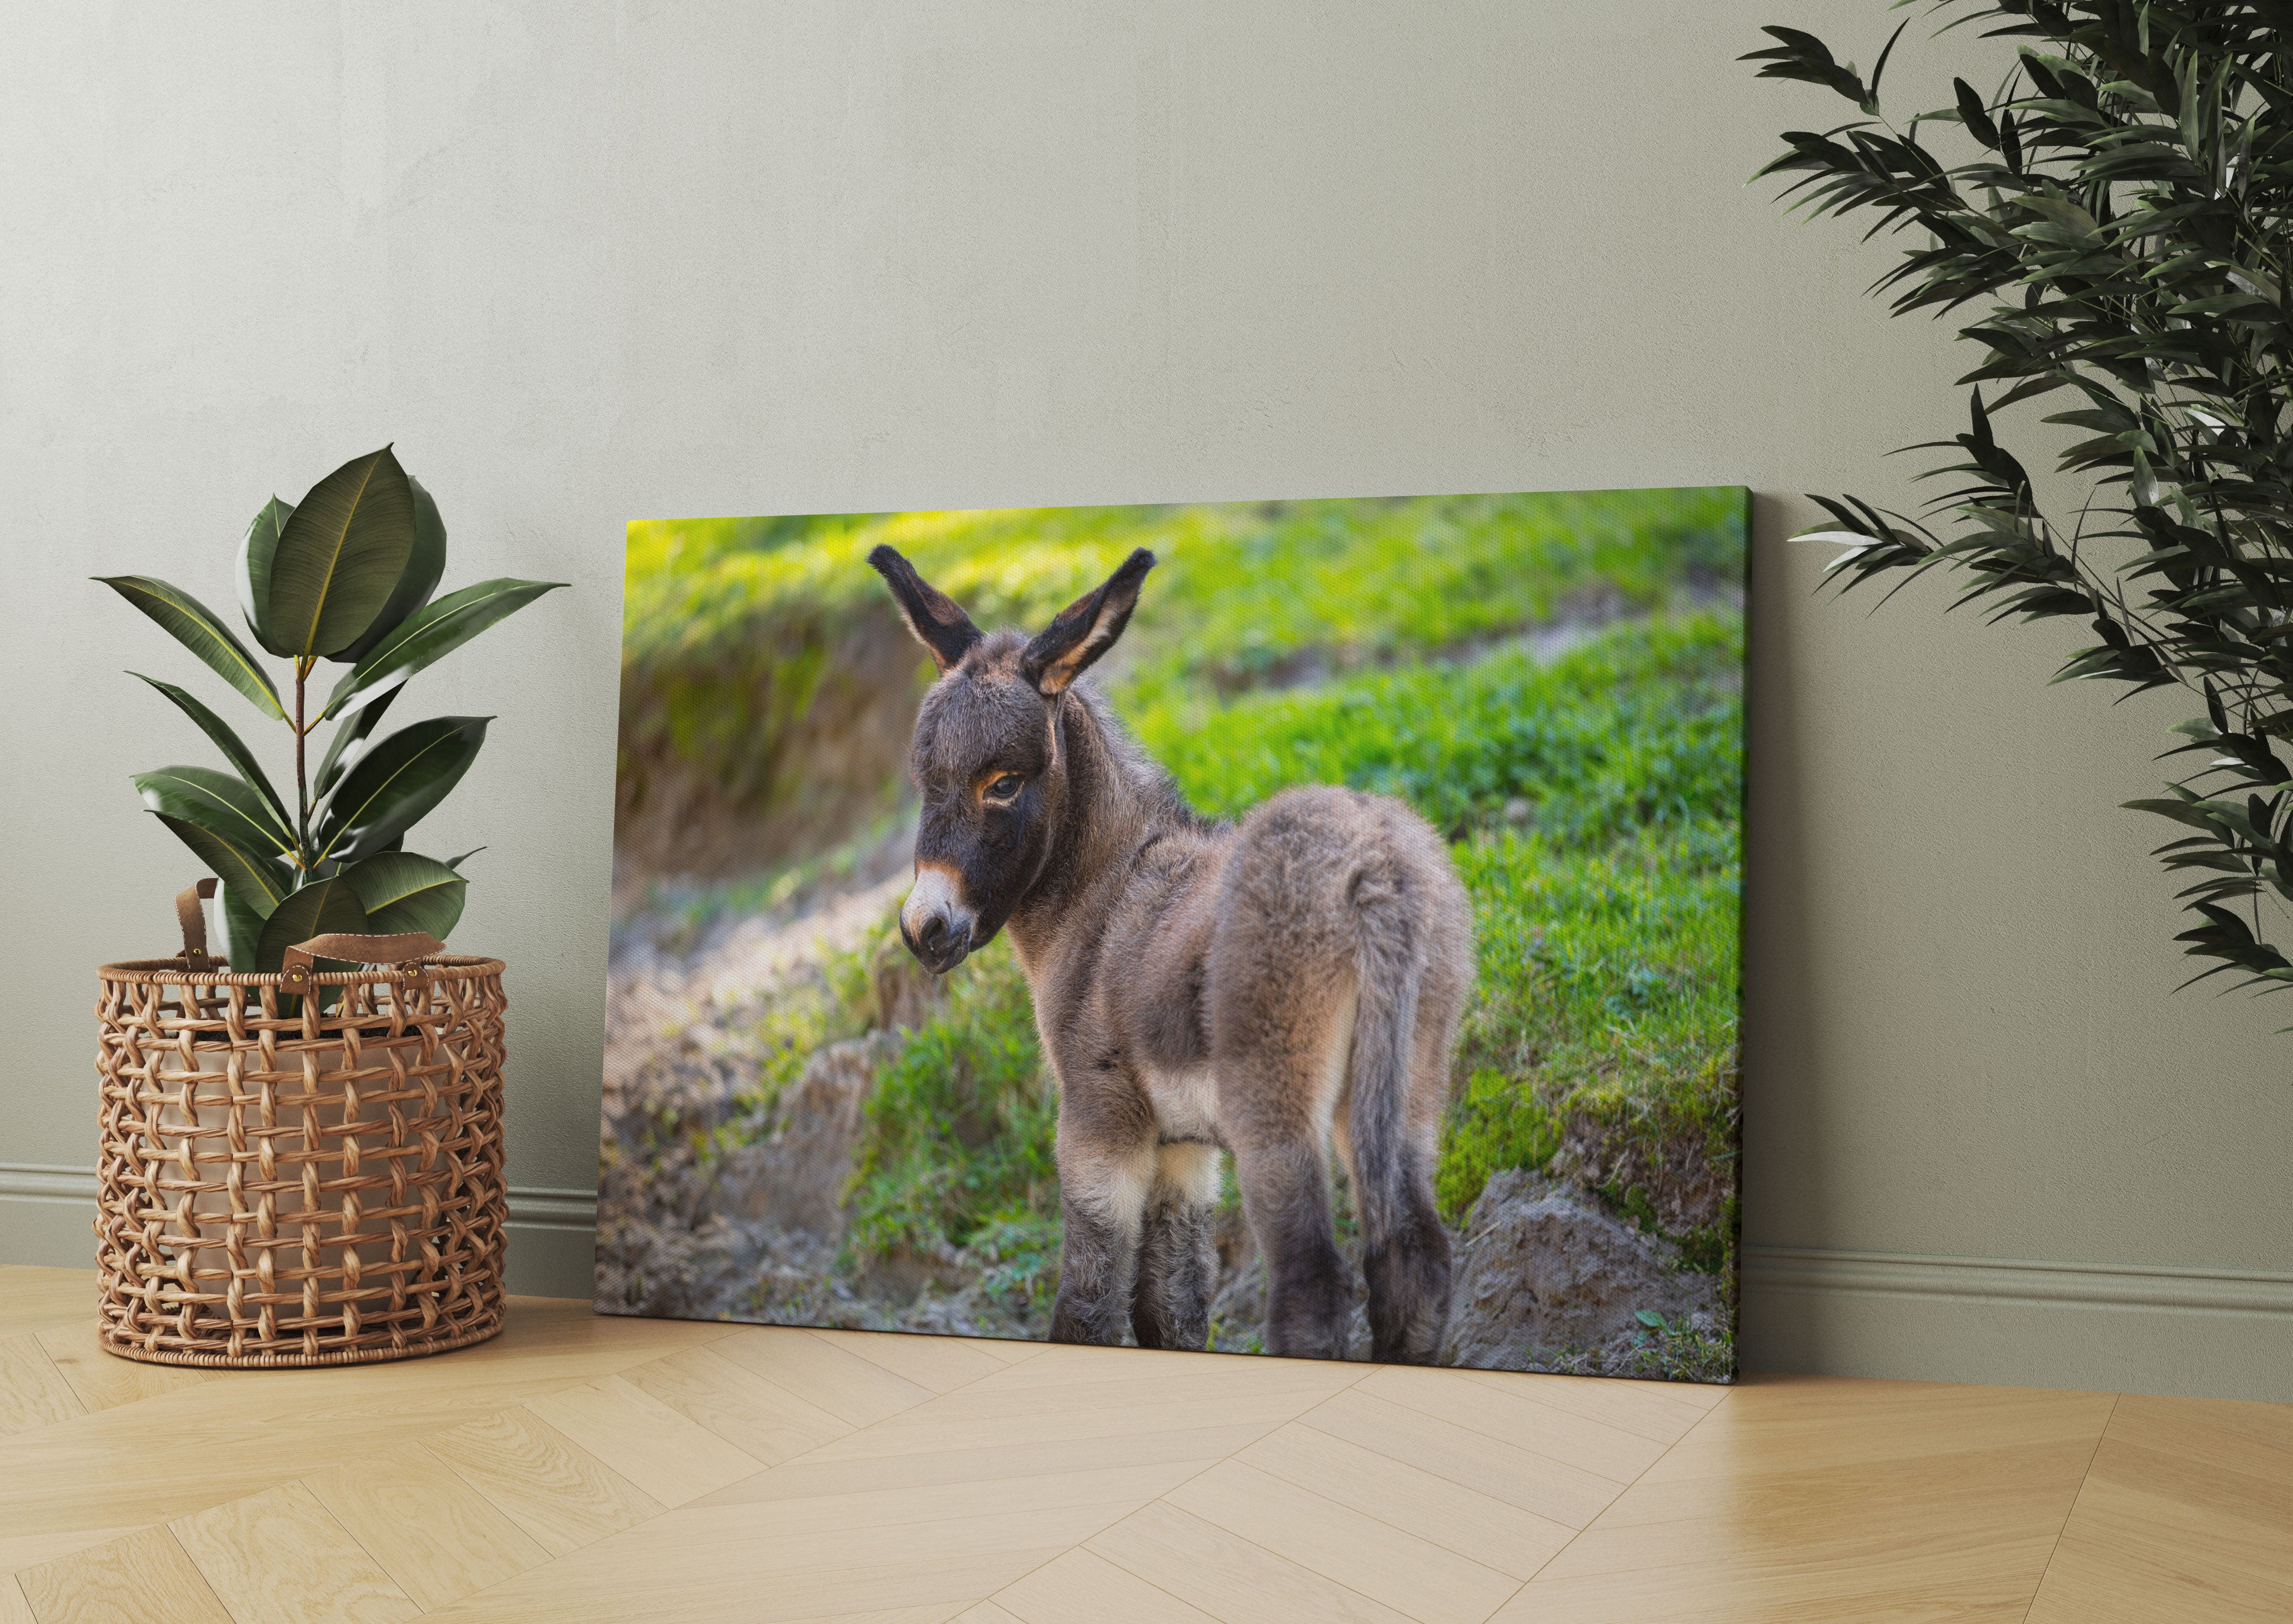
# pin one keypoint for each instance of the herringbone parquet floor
(594, 1469)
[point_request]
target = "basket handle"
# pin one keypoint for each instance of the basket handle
(193, 919)
(295, 964)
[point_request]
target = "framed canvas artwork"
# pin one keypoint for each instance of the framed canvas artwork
(1297, 928)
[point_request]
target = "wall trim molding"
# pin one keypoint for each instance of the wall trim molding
(531, 1207)
(1794, 1270)
(2023, 1282)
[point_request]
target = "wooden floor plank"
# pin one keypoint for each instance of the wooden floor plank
(13, 1608)
(920, 1591)
(816, 1370)
(1188, 1448)
(986, 1613)
(1490, 1532)
(1083, 1584)
(666, 1453)
(429, 1530)
(1537, 1483)
(33, 1392)
(2157, 1535)
(1514, 1415)
(754, 1415)
(707, 1563)
(103, 1379)
(1661, 1410)
(561, 1495)
(898, 1504)
(941, 1363)
(144, 1578)
(280, 1557)
(1413, 1576)
(1228, 1576)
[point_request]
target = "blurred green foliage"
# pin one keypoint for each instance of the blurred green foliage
(730, 625)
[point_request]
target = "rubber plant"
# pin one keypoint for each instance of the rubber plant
(346, 576)
(2110, 224)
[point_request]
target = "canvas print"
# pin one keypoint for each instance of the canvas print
(1297, 928)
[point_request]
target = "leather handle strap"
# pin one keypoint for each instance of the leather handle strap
(193, 920)
(296, 964)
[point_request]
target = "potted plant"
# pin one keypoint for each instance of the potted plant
(301, 1154)
(346, 576)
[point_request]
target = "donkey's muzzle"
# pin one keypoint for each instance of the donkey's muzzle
(934, 923)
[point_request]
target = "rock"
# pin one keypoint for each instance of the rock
(792, 1184)
(1542, 1270)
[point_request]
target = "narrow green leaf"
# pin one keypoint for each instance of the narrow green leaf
(256, 549)
(319, 909)
(424, 565)
(340, 556)
(429, 636)
(401, 891)
(215, 800)
(397, 783)
(262, 881)
(234, 750)
(456, 863)
(195, 626)
(349, 743)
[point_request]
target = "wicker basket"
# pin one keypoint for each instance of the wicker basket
(293, 1175)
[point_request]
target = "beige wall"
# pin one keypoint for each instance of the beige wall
(588, 263)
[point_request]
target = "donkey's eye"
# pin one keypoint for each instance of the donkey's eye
(1005, 787)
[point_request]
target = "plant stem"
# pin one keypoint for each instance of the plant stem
(302, 787)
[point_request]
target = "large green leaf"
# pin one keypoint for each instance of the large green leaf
(396, 784)
(430, 635)
(217, 801)
(319, 909)
(233, 748)
(419, 578)
(403, 891)
(256, 549)
(195, 626)
(242, 927)
(263, 882)
(349, 743)
(340, 556)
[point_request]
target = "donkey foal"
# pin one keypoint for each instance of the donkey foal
(1259, 988)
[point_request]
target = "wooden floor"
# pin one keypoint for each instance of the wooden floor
(579, 1468)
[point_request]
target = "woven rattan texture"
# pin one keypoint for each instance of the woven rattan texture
(284, 1184)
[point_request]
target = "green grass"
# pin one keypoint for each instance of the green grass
(957, 1133)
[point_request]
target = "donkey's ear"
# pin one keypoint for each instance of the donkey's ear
(1086, 628)
(940, 625)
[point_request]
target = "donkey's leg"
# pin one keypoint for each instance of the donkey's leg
(1178, 1265)
(1285, 1193)
(1106, 1152)
(1406, 1264)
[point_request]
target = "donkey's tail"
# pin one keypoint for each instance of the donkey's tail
(1390, 965)
(1405, 1251)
